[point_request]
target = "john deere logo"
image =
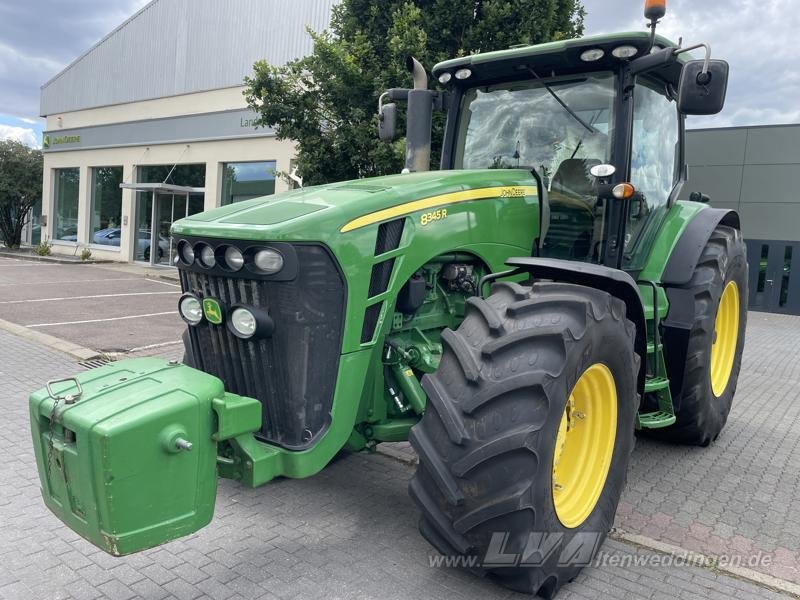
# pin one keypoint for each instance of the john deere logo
(212, 310)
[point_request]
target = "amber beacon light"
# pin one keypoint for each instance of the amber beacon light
(655, 9)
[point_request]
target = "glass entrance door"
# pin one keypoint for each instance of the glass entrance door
(157, 247)
(168, 208)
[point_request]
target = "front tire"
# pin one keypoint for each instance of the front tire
(527, 374)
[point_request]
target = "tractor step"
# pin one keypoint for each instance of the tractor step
(655, 384)
(656, 420)
(651, 347)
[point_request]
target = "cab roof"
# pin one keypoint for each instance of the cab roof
(561, 57)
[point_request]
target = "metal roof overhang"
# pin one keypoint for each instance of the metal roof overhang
(162, 188)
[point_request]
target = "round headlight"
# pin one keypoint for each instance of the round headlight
(592, 55)
(185, 252)
(268, 261)
(625, 51)
(191, 310)
(463, 74)
(233, 258)
(207, 258)
(444, 78)
(243, 322)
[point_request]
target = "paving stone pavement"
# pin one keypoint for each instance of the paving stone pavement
(350, 532)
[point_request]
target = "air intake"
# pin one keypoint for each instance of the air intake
(389, 235)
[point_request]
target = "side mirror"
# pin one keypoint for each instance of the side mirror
(387, 122)
(702, 93)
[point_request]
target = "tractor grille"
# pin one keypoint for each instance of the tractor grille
(292, 372)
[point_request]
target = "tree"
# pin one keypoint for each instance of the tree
(327, 101)
(20, 188)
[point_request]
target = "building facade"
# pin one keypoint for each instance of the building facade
(151, 125)
(754, 170)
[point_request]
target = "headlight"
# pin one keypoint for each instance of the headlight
(190, 309)
(463, 74)
(268, 261)
(207, 258)
(243, 322)
(186, 252)
(233, 258)
(247, 322)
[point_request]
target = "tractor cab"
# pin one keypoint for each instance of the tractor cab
(584, 116)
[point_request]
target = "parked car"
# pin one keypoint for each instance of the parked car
(110, 236)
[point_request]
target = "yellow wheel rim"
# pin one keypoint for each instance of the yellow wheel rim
(584, 445)
(726, 334)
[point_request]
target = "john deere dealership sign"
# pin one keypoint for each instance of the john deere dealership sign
(229, 124)
(55, 140)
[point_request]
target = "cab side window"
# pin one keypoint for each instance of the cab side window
(654, 158)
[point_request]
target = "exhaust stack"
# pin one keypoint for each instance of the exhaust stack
(420, 119)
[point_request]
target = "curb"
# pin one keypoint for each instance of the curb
(53, 259)
(707, 562)
(79, 353)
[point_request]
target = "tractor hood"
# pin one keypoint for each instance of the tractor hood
(319, 211)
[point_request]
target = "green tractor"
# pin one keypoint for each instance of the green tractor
(517, 316)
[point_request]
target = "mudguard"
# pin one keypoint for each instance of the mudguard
(686, 253)
(677, 273)
(615, 282)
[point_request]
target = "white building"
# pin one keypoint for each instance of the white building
(157, 106)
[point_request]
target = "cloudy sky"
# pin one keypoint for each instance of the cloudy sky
(39, 37)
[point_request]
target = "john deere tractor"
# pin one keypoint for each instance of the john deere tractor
(517, 315)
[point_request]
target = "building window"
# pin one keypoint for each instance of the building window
(65, 224)
(106, 206)
(245, 180)
(36, 223)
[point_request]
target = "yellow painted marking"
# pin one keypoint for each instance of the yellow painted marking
(519, 191)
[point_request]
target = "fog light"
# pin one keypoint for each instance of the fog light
(190, 309)
(243, 322)
(233, 258)
(268, 261)
(185, 252)
(207, 258)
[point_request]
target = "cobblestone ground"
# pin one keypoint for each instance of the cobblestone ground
(350, 532)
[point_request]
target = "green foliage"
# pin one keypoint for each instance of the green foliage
(86, 254)
(327, 101)
(44, 248)
(20, 188)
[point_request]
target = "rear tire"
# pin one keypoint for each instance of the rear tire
(701, 413)
(487, 443)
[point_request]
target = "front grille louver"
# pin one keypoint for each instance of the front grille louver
(387, 239)
(293, 372)
(389, 235)
(381, 274)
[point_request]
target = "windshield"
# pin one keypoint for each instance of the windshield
(521, 124)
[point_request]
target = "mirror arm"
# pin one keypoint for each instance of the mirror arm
(704, 72)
